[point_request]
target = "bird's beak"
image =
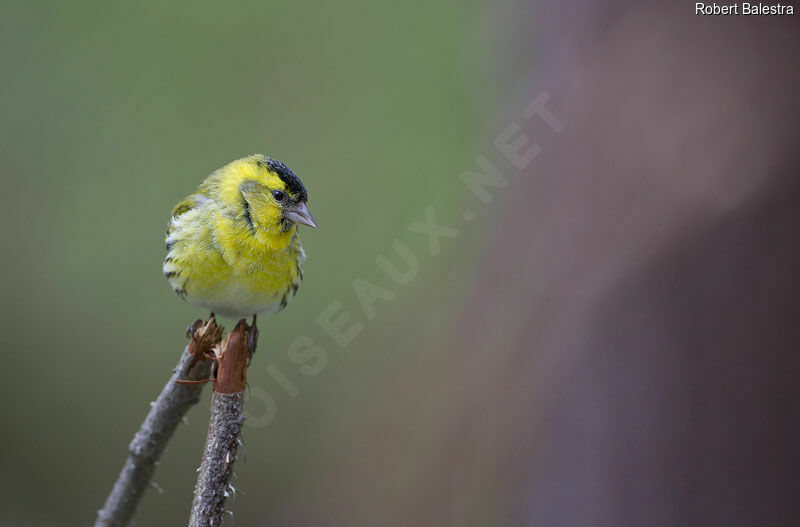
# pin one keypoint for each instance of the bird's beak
(299, 214)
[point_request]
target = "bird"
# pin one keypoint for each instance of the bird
(233, 245)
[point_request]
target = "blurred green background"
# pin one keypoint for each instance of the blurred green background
(112, 112)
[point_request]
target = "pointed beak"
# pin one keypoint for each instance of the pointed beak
(299, 214)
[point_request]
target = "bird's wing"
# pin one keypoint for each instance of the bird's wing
(183, 206)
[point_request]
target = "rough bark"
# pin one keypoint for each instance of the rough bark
(224, 428)
(213, 483)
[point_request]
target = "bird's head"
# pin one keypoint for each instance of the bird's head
(270, 196)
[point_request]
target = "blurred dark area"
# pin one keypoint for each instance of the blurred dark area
(628, 355)
(611, 342)
(664, 256)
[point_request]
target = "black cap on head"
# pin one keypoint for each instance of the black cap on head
(289, 178)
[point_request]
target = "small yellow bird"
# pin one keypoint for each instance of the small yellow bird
(232, 246)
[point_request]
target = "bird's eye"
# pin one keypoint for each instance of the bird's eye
(278, 195)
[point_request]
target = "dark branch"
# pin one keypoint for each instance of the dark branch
(224, 428)
(213, 482)
(148, 444)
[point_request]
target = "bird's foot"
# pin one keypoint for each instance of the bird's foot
(203, 337)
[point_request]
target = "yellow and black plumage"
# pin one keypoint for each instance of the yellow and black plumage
(233, 246)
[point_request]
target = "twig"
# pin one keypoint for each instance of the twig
(225, 425)
(148, 444)
(213, 482)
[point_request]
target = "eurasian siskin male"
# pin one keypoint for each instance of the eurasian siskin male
(232, 246)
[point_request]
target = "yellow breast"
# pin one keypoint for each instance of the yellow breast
(230, 268)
